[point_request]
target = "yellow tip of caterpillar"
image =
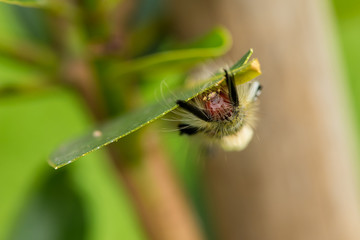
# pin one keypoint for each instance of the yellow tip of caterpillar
(239, 141)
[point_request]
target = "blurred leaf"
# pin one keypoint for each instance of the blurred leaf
(12, 71)
(11, 25)
(26, 37)
(214, 44)
(126, 124)
(20, 59)
(18, 77)
(26, 3)
(110, 214)
(27, 53)
(57, 208)
(347, 9)
(348, 22)
(31, 126)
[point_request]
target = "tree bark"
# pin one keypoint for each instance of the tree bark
(296, 179)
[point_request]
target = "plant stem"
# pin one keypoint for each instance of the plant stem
(157, 194)
(151, 183)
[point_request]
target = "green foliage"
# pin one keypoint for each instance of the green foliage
(31, 126)
(215, 43)
(131, 122)
(26, 3)
(108, 209)
(348, 22)
(40, 107)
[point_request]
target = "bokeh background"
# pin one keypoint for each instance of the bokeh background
(298, 179)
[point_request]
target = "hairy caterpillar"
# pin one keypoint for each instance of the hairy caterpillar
(225, 113)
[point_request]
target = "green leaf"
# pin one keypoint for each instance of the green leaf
(26, 3)
(24, 65)
(110, 213)
(18, 43)
(11, 25)
(126, 124)
(20, 77)
(214, 44)
(48, 119)
(243, 60)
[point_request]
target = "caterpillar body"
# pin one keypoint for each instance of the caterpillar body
(225, 113)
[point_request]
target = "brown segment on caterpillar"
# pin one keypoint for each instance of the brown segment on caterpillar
(225, 113)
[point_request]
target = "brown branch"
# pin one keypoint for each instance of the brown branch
(157, 194)
(151, 183)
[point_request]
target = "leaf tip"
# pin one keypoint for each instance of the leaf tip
(51, 163)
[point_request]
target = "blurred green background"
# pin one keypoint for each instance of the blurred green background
(347, 20)
(40, 108)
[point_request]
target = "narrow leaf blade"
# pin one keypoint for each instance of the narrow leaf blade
(26, 3)
(126, 124)
(243, 60)
(214, 44)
